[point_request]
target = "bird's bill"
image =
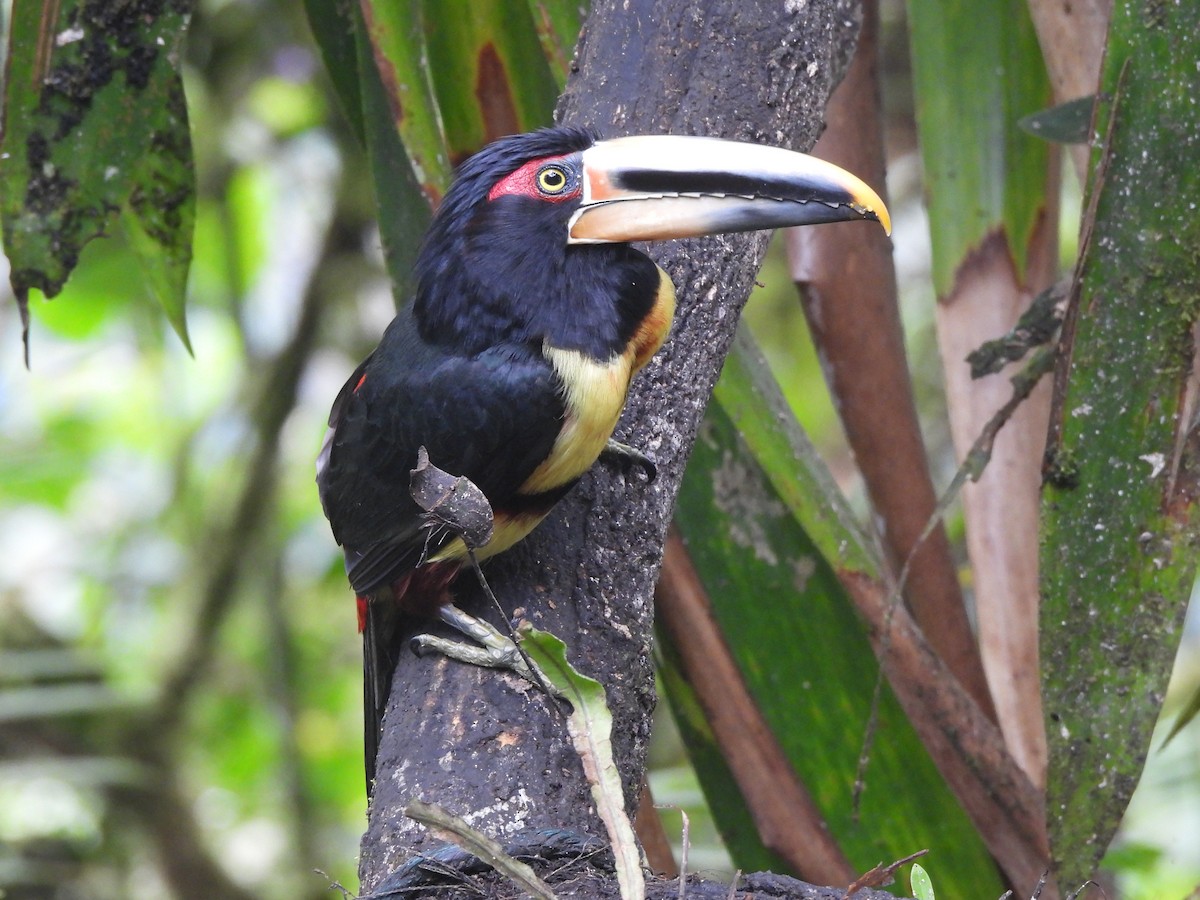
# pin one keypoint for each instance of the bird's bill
(669, 186)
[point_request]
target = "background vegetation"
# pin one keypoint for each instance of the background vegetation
(179, 683)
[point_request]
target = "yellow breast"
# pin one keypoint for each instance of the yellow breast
(594, 394)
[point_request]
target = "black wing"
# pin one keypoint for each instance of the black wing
(492, 417)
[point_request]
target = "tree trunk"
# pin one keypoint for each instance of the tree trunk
(489, 747)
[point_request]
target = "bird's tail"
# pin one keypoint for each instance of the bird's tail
(379, 621)
(382, 616)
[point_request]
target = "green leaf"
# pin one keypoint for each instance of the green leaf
(392, 35)
(437, 82)
(333, 28)
(763, 519)
(558, 23)
(1118, 554)
(981, 171)
(404, 194)
(1067, 123)
(99, 292)
(590, 726)
(160, 214)
(919, 881)
(489, 71)
(750, 397)
(93, 124)
(1191, 709)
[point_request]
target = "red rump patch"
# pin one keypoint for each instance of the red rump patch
(423, 590)
(523, 183)
(419, 592)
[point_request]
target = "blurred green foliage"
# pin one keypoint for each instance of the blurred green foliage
(124, 462)
(123, 459)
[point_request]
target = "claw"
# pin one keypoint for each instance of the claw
(494, 651)
(625, 458)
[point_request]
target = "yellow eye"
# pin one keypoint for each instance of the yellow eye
(551, 179)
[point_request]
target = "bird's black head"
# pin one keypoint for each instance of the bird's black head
(496, 265)
(529, 244)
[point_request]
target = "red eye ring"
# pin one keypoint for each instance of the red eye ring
(528, 181)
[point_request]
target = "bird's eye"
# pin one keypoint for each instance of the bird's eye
(552, 179)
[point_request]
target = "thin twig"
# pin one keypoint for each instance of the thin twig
(685, 842)
(649, 827)
(1083, 887)
(480, 846)
(1040, 364)
(864, 752)
(1087, 229)
(538, 676)
(880, 875)
(336, 885)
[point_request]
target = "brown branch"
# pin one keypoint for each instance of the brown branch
(285, 690)
(968, 750)
(750, 69)
(166, 817)
(1003, 828)
(784, 812)
(652, 836)
(881, 874)
(847, 285)
(986, 299)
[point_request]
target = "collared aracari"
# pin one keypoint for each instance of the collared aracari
(512, 362)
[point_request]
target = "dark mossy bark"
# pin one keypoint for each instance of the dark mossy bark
(489, 747)
(1121, 523)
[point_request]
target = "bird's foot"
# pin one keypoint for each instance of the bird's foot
(625, 458)
(495, 650)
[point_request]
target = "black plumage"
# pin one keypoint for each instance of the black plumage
(512, 361)
(463, 371)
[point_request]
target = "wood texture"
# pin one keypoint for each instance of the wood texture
(489, 748)
(784, 813)
(847, 285)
